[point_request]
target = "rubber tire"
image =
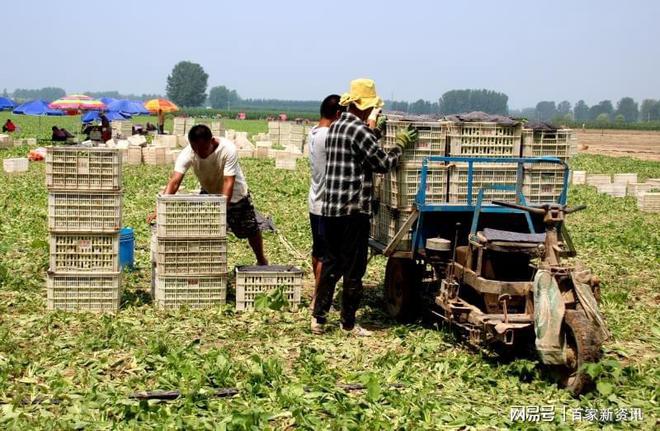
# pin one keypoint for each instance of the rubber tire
(580, 333)
(401, 289)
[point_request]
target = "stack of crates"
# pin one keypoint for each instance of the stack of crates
(191, 251)
(255, 280)
(544, 182)
(482, 139)
(84, 220)
(274, 132)
(396, 191)
(179, 126)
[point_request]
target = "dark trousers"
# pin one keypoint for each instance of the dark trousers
(346, 240)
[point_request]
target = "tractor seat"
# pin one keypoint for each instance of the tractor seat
(496, 235)
(504, 240)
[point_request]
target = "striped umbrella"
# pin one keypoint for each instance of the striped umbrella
(77, 102)
(155, 105)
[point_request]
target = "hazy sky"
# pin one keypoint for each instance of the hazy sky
(531, 50)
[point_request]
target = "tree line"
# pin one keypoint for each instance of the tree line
(626, 110)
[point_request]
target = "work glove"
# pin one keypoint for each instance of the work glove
(374, 114)
(406, 137)
(381, 123)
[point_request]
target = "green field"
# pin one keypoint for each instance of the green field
(76, 371)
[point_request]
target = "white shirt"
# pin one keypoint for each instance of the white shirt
(316, 141)
(211, 171)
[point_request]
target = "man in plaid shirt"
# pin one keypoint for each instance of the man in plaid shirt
(352, 156)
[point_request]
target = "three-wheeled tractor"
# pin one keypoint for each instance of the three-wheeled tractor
(494, 270)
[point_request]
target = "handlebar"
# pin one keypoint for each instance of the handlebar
(539, 210)
(534, 210)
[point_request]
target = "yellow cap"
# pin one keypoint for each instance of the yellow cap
(362, 94)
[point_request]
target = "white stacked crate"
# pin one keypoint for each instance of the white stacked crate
(84, 219)
(191, 251)
(543, 183)
(121, 129)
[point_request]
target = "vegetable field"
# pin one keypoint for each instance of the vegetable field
(77, 371)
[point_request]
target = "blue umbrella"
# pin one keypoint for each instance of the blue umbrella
(107, 100)
(128, 107)
(36, 108)
(111, 115)
(6, 103)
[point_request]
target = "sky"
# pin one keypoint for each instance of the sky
(530, 50)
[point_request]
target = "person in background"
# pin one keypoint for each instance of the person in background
(106, 130)
(161, 121)
(330, 111)
(215, 163)
(352, 156)
(60, 134)
(9, 126)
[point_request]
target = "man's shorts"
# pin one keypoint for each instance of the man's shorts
(241, 217)
(318, 236)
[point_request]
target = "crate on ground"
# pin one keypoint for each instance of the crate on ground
(547, 143)
(83, 292)
(132, 156)
(543, 183)
(481, 139)
(190, 291)
(192, 216)
(386, 223)
(70, 211)
(196, 257)
(598, 179)
(155, 156)
(122, 129)
(83, 168)
(166, 141)
(432, 138)
(483, 174)
(578, 177)
(20, 164)
(624, 178)
(617, 190)
(399, 187)
(636, 189)
(649, 201)
(6, 141)
(84, 252)
(254, 280)
(245, 153)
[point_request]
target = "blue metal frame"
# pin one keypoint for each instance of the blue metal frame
(479, 207)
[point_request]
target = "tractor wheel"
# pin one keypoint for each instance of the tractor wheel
(402, 283)
(582, 346)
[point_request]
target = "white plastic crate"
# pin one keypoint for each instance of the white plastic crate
(83, 292)
(84, 252)
(624, 178)
(155, 156)
(254, 280)
(578, 177)
(82, 168)
(84, 212)
(399, 188)
(649, 201)
(617, 190)
(191, 291)
(546, 143)
(385, 224)
(15, 165)
(636, 189)
(133, 156)
(484, 140)
(191, 257)
(483, 174)
(192, 216)
(598, 179)
(432, 139)
(543, 184)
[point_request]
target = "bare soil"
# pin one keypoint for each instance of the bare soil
(643, 145)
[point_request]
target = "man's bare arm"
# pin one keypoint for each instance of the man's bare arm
(228, 187)
(175, 182)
